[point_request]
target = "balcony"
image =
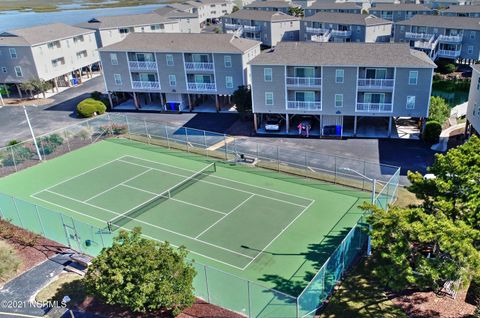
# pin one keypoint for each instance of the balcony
(321, 38)
(304, 105)
(375, 83)
(142, 66)
(252, 28)
(201, 87)
(304, 81)
(341, 34)
(453, 39)
(316, 30)
(418, 36)
(425, 45)
(232, 26)
(374, 107)
(146, 85)
(449, 54)
(198, 66)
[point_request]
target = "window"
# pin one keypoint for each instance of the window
(269, 98)
(267, 74)
(157, 27)
(470, 49)
(339, 76)
(472, 34)
(338, 100)
(118, 79)
(81, 54)
(13, 53)
(172, 79)
(4, 69)
(78, 39)
(227, 61)
(229, 81)
(54, 44)
(113, 58)
(412, 77)
(18, 71)
(478, 84)
(402, 28)
(169, 58)
(123, 30)
(57, 62)
(410, 102)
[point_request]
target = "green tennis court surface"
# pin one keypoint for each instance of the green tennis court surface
(260, 225)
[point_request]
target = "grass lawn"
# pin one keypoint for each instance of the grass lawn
(66, 284)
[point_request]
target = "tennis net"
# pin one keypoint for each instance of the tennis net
(120, 220)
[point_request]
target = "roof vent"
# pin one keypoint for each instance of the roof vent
(94, 20)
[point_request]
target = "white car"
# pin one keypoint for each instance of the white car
(273, 124)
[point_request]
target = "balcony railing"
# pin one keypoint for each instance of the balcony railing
(198, 66)
(374, 107)
(304, 81)
(321, 38)
(449, 53)
(375, 83)
(201, 87)
(232, 26)
(304, 105)
(342, 34)
(142, 65)
(146, 85)
(252, 28)
(425, 45)
(418, 36)
(450, 38)
(316, 30)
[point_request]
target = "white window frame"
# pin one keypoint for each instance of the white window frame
(267, 94)
(169, 59)
(470, 49)
(172, 80)
(229, 81)
(114, 58)
(341, 99)
(410, 77)
(13, 53)
(117, 78)
(337, 76)
(227, 61)
(266, 75)
(4, 69)
(18, 69)
(409, 102)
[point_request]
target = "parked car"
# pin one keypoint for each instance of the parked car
(273, 123)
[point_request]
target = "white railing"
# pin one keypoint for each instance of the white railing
(231, 26)
(192, 86)
(341, 33)
(316, 30)
(321, 38)
(304, 81)
(251, 28)
(374, 107)
(146, 85)
(449, 53)
(375, 83)
(418, 36)
(450, 38)
(199, 66)
(304, 105)
(142, 65)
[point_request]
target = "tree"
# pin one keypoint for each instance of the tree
(415, 249)
(27, 87)
(432, 131)
(242, 98)
(296, 12)
(41, 86)
(235, 8)
(142, 275)
(455, 190)
(438, 110)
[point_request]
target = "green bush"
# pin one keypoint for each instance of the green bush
(432, 132)
(9, 261)
(115, 129)
(449, 68)
(439, 110)
(12, 142)
(90, 107)
(50, 143)
(20, 154)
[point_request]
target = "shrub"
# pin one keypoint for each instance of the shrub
(90, 107)
(9, 261)
(432, 132)
(114, 129)
(20, 154)
(439, 110)
(13, 142)
(50, 143)
(449, 68)
(96, 95)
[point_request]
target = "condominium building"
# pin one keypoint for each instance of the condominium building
(176, 72)
(274, 6)
(472, 11)
(340, 7)
(187, 21)
(206, 10)
(269, 27)
(53, 52)
(399, 12)
(112, 29)
(473, 109)
(456, 38)
(340, 89)
(345, 27)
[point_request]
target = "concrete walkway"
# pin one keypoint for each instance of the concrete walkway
(442, 145)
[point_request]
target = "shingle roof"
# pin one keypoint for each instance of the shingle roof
(173, 13)
(346, 18)
(344, 54)
(118, 21)
(333, 5)
(271, 4)
(462, 9)
(261, 15)
(400, 7)
(41, 34)
(443, 21)
(182, 42)
(180, 6)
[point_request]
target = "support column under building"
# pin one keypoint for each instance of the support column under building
(217, 103)
(19, 91)
(110, 99)
(390, 126)
(135, 101)
(190, 108)
(287, 123)
(255, 123)
(355, 126)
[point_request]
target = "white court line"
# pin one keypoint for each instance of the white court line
(149, 224)
(103, 221)
(278, 235)
(177, 200)
(121, 183)
(233, 210)
(81, 174)
(218, 177)
(215, 184)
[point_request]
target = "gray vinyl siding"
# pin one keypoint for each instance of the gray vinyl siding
(310, 12)
(360, 33)
(347, 88)
(121, 68)
(164, 70)
(396, 16)
(221, 72)
(276, 86)
(24, 60)
(473, 113)
(420, 91)
(284, 31)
